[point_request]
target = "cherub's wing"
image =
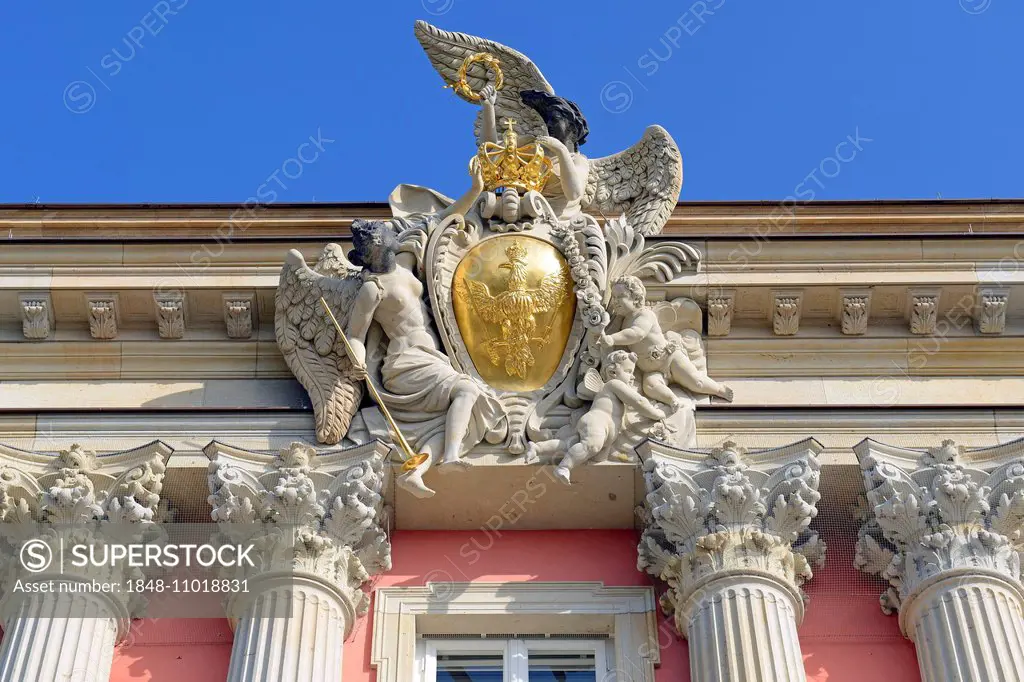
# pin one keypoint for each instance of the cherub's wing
(553, 289)
(593, 381)
(309, 341)
(681, 320)
(447, 51)
(643, 182)
(479, 296)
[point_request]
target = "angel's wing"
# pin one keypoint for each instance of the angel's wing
(552, 291)
(593, 381)
(447, 51)
(479, 296)
(308, 340)
(643, 182)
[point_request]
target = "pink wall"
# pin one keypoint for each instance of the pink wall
(845, 637)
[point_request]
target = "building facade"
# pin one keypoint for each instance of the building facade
(853, 513)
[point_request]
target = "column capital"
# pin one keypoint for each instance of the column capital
(331, 503)
(77, 496)
(727, 517)
(938, 514)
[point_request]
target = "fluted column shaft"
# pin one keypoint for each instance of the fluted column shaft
(50, 637)
(968, 629)
(293, 630)
(744, 630)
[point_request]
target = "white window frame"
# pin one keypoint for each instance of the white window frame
(515, 654)
(427, 651)
(404, 616)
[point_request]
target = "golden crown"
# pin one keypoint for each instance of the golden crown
(509, 165)
(516, 251)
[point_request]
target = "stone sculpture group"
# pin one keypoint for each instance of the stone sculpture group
(515, 319)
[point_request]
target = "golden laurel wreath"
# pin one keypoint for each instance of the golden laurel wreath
(492, 63)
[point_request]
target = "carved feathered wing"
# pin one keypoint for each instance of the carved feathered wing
(309, 341)
(447, 51)
(553, 289)
(643, 182)
(479, 296)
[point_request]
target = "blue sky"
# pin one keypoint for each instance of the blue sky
(185, 100)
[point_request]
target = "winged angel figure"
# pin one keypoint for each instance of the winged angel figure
(642, 182)
(376, 291)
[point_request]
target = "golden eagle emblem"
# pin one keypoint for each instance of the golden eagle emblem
(524, 321)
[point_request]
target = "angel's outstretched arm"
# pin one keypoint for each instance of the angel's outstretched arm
(638, 332)
(630, 396)
(359, 322)
(465, 202)
(488, 122)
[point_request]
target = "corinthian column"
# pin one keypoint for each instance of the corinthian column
(944, 528)
(47, 502)
(728, 532)
(317, 522)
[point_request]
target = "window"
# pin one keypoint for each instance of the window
(586, 627)
(512, 660)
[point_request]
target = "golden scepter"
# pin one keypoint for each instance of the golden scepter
(411, 459)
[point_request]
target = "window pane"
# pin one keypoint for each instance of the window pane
(470, 668)
(570, 666)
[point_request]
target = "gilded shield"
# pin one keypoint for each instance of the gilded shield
(514, 304)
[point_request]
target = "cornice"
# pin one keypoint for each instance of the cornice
(690, 219)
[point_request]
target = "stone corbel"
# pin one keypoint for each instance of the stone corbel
(855, 310)
(170, 315)
(721, 305)
(102, 312)
(239, 315)
(990, 309)
(923, 310)
(36, 315)
(728, 532)
(785, 312)
(944, 527)
(319, 526)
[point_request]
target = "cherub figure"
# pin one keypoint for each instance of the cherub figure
(597, 430)
(661, 356)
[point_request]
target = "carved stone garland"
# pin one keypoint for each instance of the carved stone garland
(728, 532)
(75, 497)
(944, 528)
(318, 524)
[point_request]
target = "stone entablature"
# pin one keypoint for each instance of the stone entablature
(933, 310)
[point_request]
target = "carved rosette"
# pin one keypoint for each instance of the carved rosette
(710, 516)
(310, 516)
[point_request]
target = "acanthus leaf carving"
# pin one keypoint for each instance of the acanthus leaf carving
(706, 515)
(306, 513)
(940, 512)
